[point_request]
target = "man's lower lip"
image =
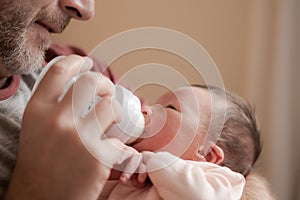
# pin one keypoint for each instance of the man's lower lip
(43, 29)
(42, 25)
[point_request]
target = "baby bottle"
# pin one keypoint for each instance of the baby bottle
(132, 122)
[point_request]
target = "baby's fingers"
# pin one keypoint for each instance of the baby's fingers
(142, 176)
(131, 167)
(146, 156)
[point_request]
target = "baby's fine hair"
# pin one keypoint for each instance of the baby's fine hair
(240, 135)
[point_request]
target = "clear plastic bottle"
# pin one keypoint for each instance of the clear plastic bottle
(132, 123)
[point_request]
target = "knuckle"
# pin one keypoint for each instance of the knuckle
(59, 68)
(104, 85)
(88, 79)
(98, 82)
(105, 106)
(107, 102)
(64, 66)
(117, 110)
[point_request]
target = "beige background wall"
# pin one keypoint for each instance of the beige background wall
(221, 27)
(254, 44)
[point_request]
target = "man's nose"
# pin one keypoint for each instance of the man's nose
(78, 9)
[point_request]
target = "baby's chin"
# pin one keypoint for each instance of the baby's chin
(147, 144)
(144, 141)
(139, 145)
(135, 143)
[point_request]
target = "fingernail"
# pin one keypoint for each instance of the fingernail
(87, 65)
(117, 110)
(142, 178)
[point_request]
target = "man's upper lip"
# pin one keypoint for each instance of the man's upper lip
(48, 26)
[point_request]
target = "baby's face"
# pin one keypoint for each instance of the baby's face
(177, 125)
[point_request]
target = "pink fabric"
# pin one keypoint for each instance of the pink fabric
(182, 180)
(11, 89)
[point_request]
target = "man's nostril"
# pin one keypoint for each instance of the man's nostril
(74, 10)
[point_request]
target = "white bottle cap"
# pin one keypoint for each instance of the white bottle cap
(132, 123)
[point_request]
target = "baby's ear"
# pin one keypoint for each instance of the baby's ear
(197, 156)
(216, 155)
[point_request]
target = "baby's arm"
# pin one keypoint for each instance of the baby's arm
(175, 178)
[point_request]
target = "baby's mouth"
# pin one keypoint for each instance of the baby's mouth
(155, 117)
(147, 123)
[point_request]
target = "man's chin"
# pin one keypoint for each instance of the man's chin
(28, 64)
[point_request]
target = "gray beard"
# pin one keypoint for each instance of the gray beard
(14, 53)
(18, 59)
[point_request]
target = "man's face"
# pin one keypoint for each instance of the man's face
(186, 111)
(25, 27)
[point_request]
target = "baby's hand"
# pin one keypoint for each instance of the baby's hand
(139, 180)
(130, 160)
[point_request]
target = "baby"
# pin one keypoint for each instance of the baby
(179, 168)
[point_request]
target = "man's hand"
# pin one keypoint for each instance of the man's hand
(60, 150)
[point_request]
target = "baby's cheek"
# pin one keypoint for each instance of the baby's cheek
(168, 133)
(159, 140)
